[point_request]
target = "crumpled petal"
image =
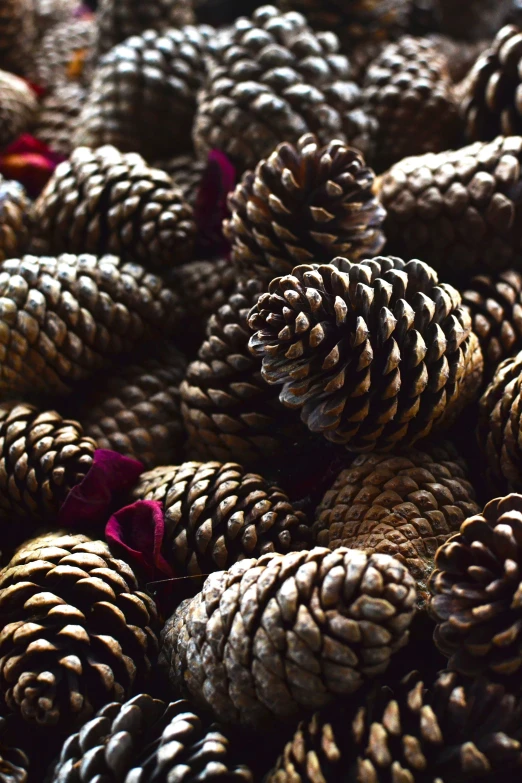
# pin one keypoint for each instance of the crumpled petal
(211, 209)
(137, 532)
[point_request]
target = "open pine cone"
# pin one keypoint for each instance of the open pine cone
(305, 204)
(65, 54)
(18, 107)
(17, 35)
(58, 115)
(76, 632)
(15, 219)
(372, 354)
(273, 637)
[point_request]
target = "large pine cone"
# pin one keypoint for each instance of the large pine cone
(143, 94)
(404, 505)
(17, 36)
(372, 354)
(274, 636)
(273, 80)
(119, 19)
(217, 514)
(15, 219)
(305, 204)
(18, 106)
(451, 733)
(495, 305)
(408, 89)
(459, 210)
(14, 763)
(58, 115)
(476, 592)
(147, 740)
(63, 318)
(104, 201)
(76, 632)
(136, 409)
(42, 457)
(65, 54)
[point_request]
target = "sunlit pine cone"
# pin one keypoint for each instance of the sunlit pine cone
(15, 219)
(18, 107)
(17, 36)
(105, 201)
(77, 634)
(273, 637)
(58, 115)
(452, 732)
(404, 505)
(371, 354)
(217, 514)
(65, 54)
(304, 204)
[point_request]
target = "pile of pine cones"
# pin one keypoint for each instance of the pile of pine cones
(260, 391)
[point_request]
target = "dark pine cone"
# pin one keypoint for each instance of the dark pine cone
(15, 219)
(372, 354)
(58, 116)
(451, 733)
(216, 514)
(147, 740)
(404, 505)
(471, 20)
(65, 54)
(77, 634)
(17, 35)
(476, 593)
(14, 763)
(305, 204)
(273, 637)
(186, 172)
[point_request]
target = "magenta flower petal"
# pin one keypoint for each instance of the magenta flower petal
(211, 208)
(137, 531)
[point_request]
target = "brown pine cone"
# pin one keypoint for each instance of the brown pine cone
(404, 505)
(495, 305)
(65, 53)
(273, 637)
(460, 55)
(471, 21)
(453, 732)
(17, 36)
(408, 89)
(217, 514)
(460, 210)
(104, 201)
(14, 763)
(272, 80)
(77, 634)
(119, 19)
(15, 219)
(49, 13)
(58, 115)
(61, 319)
(146, 739)
(186, 172)
(136, 409)
(143, 94)
(476, 589)
(18, 107)
(500, 426)
(372, 354)
(305, 204)
(42, 457)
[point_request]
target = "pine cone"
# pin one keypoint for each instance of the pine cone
(460, 55)
(58, 115)
(14, 763)
(42, 457)
(15, 220)
(17, 36)
(476, 588)
(103, 201)
(500, 426)
(136, 409)
(408, 89)
(119, 19)
(273, 80)
(372, 354)
(453, 732)
(49, 13)
(143, 94)
(217, 514)
(63, 318)
(77, 633)
(186, 172)
(305, 204)
(458, 210)
(465, 20)
(404, 505)
(495, 305)
(273, 637)
(65, 53)
(18, 106)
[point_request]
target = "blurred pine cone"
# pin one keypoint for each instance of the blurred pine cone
(136, 409)
(119, 19)
(77, 633)
(64, 318)
(145, 740)
(42, 457)
(14, 763)
(453, 732)
(15, 219)
(272, 80)
(273, 637)
(217, 514)
(305, 204)
(471, 21)
(500, 425)
(476, 593)
(460, 55)
(58, 115)
(460, 210)
(186, 172)
(372, 354)
(103, 201)
(17, 36)
(495, 305)
(143, 93)
(65, 53)
(408, 89)
(18, 106)
(49, 13)
(404, 505)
